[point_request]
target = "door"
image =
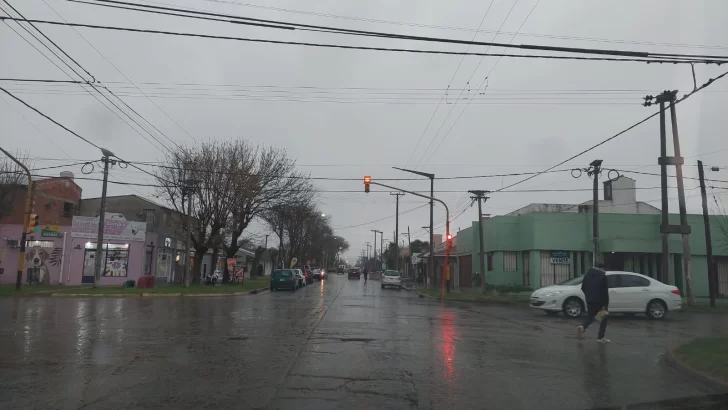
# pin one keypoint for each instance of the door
(635, 291)
(89, 265)
(617, 301)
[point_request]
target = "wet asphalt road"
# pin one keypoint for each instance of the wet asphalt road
(339, 344)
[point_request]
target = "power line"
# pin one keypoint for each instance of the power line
(337, 30)
(464, 29)
(349, 47)
(685, 97)
(49, 118)
(379, 220)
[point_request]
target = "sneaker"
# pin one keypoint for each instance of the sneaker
(580, 332)
(603, 340)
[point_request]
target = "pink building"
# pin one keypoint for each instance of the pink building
(47, 254)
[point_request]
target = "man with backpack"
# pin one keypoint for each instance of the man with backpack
(596, 292)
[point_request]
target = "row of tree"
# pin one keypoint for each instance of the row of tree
(226, 185)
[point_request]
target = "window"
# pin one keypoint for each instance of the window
(510, 261)
(527, 268)
(490, 261)
(633, 281)
(68, 210)
(613, 281)
(39, 244)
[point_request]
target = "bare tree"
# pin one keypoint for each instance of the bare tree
(13, 182)
(206, 173)
(265, 177)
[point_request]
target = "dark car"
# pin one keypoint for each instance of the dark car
(283, 279)
(354, 273)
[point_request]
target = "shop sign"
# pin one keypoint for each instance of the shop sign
(116, 227)
(51, 231)
(560, 257)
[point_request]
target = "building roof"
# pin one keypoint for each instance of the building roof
(145, 199)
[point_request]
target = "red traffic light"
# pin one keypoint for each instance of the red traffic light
(449, 236)
(367, 181)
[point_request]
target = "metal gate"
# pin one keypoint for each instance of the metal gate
(722, 277)
(553, 273)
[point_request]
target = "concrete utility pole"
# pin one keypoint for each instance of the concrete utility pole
(396, 228)
(102, 215)
(366, 265)
(677, 160)
(375, 243)
(712, 282)
(26, 219)
(479, 195)
(409, 245)
(595, 169)
(381, 247)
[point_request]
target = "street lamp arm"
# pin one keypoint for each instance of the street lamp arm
(447, 210)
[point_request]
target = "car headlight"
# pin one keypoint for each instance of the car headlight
(553, 293)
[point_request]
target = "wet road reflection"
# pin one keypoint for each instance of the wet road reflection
(334, 344)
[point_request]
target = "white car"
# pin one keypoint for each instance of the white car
(391, 278)
(629, 292)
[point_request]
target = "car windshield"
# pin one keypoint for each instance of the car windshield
(391, 273)
(573, 281)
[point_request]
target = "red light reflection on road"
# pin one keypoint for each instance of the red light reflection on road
(448, 344)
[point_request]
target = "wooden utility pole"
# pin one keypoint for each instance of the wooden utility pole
(479, 195)
(708, 242)
(396, 229)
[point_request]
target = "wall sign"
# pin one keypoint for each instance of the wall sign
(560, 257)
(116, 227)
(51, 231)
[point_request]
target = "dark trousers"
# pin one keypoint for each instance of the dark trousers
(594, 308)
(447, 283)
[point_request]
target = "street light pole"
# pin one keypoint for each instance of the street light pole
(431, 259)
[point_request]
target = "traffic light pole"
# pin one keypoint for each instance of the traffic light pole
(26, 219)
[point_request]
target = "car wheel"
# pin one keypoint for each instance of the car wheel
(551, 312)
(573, 307)
(656, 309)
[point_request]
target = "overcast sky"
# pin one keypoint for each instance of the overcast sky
(363, 112)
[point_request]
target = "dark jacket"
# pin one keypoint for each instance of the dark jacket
(595, 287)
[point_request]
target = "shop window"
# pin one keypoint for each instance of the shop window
(510, 261)
(39, 244)
(115, 258)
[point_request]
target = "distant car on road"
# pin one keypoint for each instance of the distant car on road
(317, 273)
(283, 279)
(354, 273)
(629, 293)
(341, 269)
(391, 278)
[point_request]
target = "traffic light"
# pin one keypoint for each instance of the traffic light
(367, 181)
(33, 223)
(449, 236)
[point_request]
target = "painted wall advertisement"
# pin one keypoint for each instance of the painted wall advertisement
(116, 228)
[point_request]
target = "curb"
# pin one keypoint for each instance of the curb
(481, 302)
(705, 378)
(116, 295)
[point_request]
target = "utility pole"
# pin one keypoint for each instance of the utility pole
(102, 217)
(708, 242)
(595, 167)
(396, 227)
(366, 264)
(26, 219)
(375, 244)
(676, 160)
(187, 191)
(479, 195)
(381, 248)
(409, 245)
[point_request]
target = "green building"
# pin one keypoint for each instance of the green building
(544, 244)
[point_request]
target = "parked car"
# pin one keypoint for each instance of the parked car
(391, 278)
(308, 274)
(283, 279)
(354, 273)
(301, 278)
(629, 293)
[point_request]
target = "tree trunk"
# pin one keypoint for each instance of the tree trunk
(226, 272)
(197, 265)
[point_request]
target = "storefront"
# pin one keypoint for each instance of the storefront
(125, 252)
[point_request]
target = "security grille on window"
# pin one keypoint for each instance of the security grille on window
(39, 244)
(510, 261)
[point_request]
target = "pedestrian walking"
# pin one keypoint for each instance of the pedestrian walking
(596, 292)
(366, 273)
